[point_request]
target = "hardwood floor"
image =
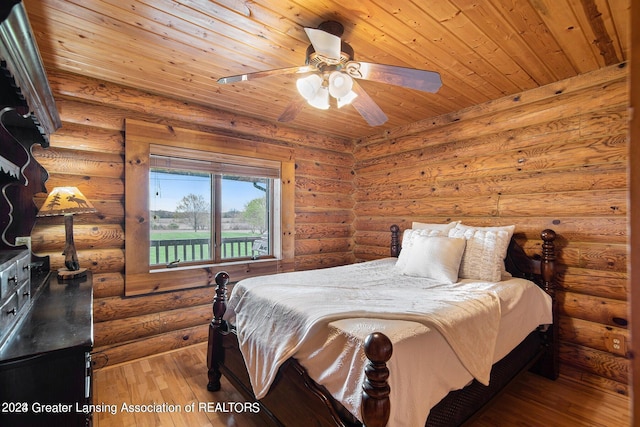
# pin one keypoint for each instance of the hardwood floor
(176, 382)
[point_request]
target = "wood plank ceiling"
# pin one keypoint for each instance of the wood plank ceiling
(483, 49)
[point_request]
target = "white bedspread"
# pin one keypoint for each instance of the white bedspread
(443, 335)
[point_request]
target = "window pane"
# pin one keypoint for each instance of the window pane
(180, 211)
(246, 220)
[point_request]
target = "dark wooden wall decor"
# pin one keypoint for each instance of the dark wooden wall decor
(21, 177)
(28, 115)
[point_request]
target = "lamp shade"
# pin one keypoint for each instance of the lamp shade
(320, 99)
(317, 89)
(309, 86)
(65, 200)
(340, 84)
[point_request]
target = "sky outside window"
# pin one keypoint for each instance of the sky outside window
(168, 189)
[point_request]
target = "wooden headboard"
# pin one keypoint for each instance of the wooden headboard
(539, 268)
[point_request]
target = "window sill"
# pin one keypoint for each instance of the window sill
(217, 266)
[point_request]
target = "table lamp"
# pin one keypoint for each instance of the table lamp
(67, 201)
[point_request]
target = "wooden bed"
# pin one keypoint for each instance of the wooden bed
(295, 399)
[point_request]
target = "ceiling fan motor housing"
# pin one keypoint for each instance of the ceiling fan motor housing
(332, 27)
(346, 55)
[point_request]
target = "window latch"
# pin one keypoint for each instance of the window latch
(173, 263)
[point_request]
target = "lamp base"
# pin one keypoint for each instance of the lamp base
(66, 274)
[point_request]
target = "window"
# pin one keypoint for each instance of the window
(203, 205)
(211, 211)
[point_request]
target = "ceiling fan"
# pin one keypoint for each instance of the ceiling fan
(331, 72)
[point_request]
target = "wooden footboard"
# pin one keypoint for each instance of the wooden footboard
(375, 390)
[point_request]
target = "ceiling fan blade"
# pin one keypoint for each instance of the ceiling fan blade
(367, 107)
(428, 81)
(325, 44)
(292, 110)
(261, 74)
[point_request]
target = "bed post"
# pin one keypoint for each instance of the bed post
(548, 264)
(375, 390)
(395, 246)
(549, 363)
(215, 352)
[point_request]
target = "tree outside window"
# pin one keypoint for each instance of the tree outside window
(194, 211)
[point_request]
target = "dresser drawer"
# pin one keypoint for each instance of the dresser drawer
(24, 294)
(8, 280)
(8, 312)
(14, 270)
(22, 266)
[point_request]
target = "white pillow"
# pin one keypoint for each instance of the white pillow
(435, 257)
(443, 227)
(483, 257)
(407, 242)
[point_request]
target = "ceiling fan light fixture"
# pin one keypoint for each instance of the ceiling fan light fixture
(309, 86)
(321, 99)
(340, 84)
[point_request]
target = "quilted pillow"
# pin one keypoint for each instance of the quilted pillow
(508, 228)
(484, 254)
(435, 257)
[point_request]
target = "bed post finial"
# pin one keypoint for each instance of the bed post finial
(395, 245)
(376, 406)
(214, 346)
(220, 300)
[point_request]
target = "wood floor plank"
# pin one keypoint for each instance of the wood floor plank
(538, 401)
(179, 378)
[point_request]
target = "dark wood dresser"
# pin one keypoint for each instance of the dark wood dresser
(45, 364)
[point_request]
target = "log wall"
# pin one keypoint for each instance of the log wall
(554, 157)
(551, 157)
(88, 152)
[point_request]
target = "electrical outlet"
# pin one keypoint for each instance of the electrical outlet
(616, 344)
(26, 240)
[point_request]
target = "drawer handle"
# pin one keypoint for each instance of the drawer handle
(26, 293)
(12, 311)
